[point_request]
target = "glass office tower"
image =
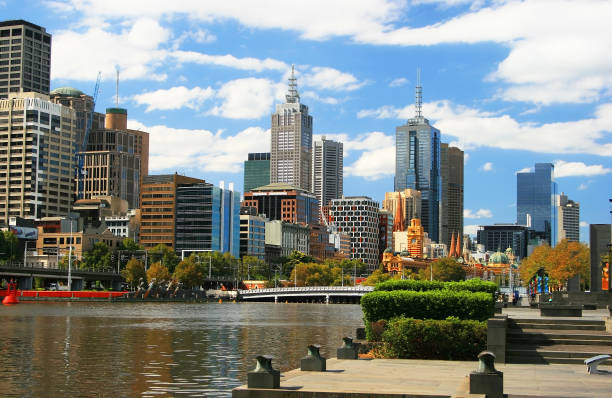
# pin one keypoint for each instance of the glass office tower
(256, 171)
(535, 201)
(417, 166)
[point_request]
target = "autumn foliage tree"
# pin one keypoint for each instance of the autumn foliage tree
(158, 272)
(564, 261)
(134, 271)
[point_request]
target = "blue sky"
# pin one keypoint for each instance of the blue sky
(510, 82)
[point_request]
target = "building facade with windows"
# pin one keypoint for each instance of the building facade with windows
(568, 217)
(36, 157)
(499, 237)
(25, 58)
(358, 217)
(253, 236)
(283, 202)
(287, 237)
(256, 170)
(291, 141)
(327, 170)
(451, 208)
(536, 196)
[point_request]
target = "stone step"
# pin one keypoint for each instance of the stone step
(561, 354)
(554, 334)
(557, 341)
(553, 326)
(554, 321)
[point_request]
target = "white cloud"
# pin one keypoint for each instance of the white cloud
(330, 79)
(201, 36)
(524, 170)
(474, 128)
(584, 224)
(488, 166)
(400, 81)
(480, 213)
(249, 98)
(373, 164)
(316, 97)
(471, 230)
(174, 149)
(174, 98)
(573, 169)
(583, 186)
(228, 60)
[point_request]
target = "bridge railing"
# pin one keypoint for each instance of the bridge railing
(19, 265)
(306, 289)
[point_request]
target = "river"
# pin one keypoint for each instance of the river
(157, 349)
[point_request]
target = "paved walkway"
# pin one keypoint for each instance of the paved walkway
(444, 378)
(534, 313)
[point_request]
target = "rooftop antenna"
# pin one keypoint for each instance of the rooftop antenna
(419, 96)
(117, 87)
(292, 95)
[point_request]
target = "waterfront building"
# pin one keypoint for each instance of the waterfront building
(25, 58)
(451, 208)
(256, 170)
(283, 202)
(252, 236)
(568, 219)
(600, 243)
(37, 139)
(320, 245)
(417, 165)
(115, 160)
(358, 217)
(291, 141)
(287, 237)
(536, 201)
(327, 171)
(502, 236)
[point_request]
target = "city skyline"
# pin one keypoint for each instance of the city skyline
(205, 85)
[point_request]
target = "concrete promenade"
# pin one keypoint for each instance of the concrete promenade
(427, 378)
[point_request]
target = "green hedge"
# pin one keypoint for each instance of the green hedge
(433, 304)
(450, 339)
(472, 285)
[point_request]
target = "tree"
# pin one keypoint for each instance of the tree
(134, 271)
(540, 258)
(10, 246)
(165, 255)
(98, 257)
(448, 269)
(76, 263)
(376, 277)
(129, 245)
(253, 268)
(568, 260)
(158, 272)
(189, 273)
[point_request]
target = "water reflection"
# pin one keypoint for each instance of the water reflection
(124, 350)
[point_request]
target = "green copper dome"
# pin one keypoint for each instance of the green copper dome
(67, 92)
(499, 258)
(117, 111)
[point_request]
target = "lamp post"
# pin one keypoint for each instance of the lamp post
(70, 259)
(25, 253)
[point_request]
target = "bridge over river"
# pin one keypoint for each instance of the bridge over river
(314, 294)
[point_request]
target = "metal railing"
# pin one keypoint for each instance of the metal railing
(307, 289)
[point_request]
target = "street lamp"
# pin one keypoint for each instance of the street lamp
(70, 259)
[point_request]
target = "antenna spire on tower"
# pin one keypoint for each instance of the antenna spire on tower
(293, 95)
(419, 96)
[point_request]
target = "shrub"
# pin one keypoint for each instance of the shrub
(450, 339)
(472, 285)
(432, 304)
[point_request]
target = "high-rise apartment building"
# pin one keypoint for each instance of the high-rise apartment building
(499, 237)
(189, 214)
(327, 174)
(37, 146)
(25, 58)
(115, 160)
(417, 165)
(358, 217)
(291, 141)
(256, 170)
(536, 200)
(568, 219)
(451, 209)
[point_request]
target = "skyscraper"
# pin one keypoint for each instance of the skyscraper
(568, 219)
(291, 143)
(37, 159)
(256, 170)
(417, 165)
(451, 171)
(536, 201)
(25, 58)
(327, 170)
(409, 202)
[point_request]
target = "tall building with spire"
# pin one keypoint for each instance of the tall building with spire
(417, 165)
(291, 141)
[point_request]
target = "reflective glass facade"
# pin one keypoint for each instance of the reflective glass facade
(417, 166)
(536, 200)
(256, 171)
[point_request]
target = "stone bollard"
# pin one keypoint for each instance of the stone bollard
(487, 380)
(349, 350)
(264, 376)
(313, 361)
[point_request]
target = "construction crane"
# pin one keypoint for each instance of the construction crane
(80, 171)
